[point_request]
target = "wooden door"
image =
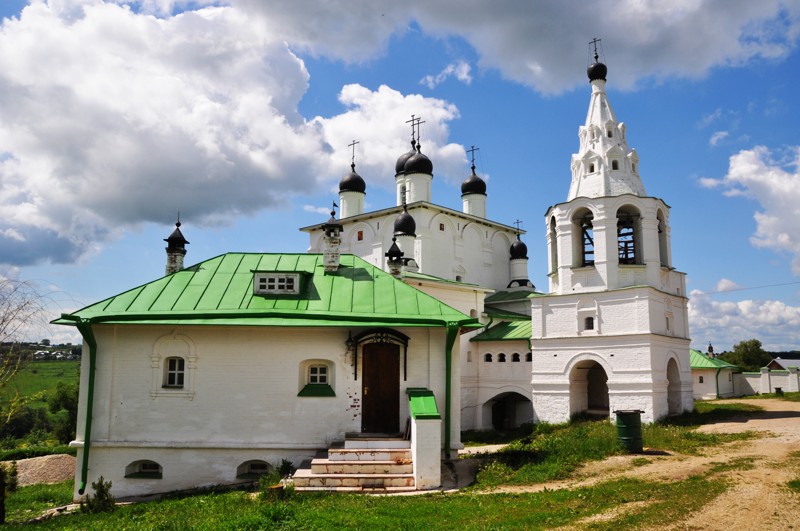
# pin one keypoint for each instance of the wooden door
(380, 388)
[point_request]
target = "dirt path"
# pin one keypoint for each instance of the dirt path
(758, 499)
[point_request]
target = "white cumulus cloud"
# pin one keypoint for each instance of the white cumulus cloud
(724, 323)
(775, 184)
(460, 70)
(110, 118)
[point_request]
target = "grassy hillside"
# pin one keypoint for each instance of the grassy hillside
(40, 378)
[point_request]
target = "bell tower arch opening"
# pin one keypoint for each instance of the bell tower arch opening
(588, 389)
(583, 238)
(629, 235)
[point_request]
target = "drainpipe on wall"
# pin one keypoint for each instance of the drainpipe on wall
(452, 334)
(85, 328)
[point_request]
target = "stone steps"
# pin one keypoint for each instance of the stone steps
(360, 465)
(333, 466)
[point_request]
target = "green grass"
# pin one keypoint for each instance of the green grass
(545, 452)
(543, 510)
(484, 437)
(29, 502)
(552, 452)
(39, 378)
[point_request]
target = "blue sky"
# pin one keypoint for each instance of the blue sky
(116, 115)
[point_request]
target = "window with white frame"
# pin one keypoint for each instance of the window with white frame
(174, 372)
(173, 363)
(317, 374)
(316, 378)
(276, 283)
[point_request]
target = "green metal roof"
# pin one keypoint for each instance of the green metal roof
(502, 296)
(431, 278)
(219, 291)
(507, 331)
(496, 313)
(698, 360)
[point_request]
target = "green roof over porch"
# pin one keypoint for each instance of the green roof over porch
(698, 360)
(219, 291)
(506, 331)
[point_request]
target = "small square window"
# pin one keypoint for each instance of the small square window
(318, 374)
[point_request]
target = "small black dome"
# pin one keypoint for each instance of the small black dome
(418, 163)
(352, 182)
(176, 239)
(405, 225)
(473, 185)
(597, 71)
(519, 250)
(401, 161)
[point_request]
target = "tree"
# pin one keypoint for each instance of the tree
(748, 355)
(22, 311)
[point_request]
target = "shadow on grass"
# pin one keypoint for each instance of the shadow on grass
(715, 412)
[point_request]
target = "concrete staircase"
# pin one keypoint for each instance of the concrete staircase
(360, 465)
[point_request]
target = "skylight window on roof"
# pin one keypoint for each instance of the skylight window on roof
(276, 283)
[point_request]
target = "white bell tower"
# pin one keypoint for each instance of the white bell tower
(613, 332)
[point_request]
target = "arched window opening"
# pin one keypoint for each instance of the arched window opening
(501, 358)
(515, 357)
(663, 250)
(587, 240)
(144, 469)
(609, 133)
(487, 358)
(633, 168)
(628, 231)
(591, 167)
(252, 469)
(614, 164)
(588, 323)
(529, 356)
(553, 246)
(701, 380)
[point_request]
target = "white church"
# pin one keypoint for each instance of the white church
(611, 334)
(412, 322)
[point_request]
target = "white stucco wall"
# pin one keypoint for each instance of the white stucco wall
(707, 389)
(449, 244)
(239, 402)
(482, 382)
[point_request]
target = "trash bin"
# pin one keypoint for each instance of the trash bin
(629, 430)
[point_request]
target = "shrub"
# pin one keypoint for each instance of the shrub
(102, 501)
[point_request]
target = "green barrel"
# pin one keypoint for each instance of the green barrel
(629, 430)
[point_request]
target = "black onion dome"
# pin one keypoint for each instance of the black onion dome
(597, 71)
(418, 163)
(473, 185)
(405, 225)
(519, 250)
(401, 161)
(352, 182)
(176, 239)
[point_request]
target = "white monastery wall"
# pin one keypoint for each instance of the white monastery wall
(239, 400)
